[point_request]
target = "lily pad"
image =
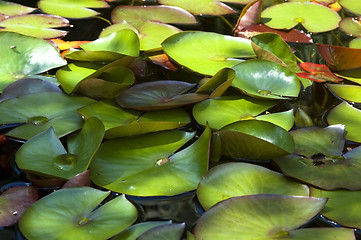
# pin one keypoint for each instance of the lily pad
(351, 5)
(314, 17)
(349, 116)
(233, 109)
(52, 217)
(266, 79)
(79, 180)
(138, 15)
(355, 43)
(347, 92)
(20, 60)
(134, 231)
(72, 9)
(207, 52)
(255, 139)
(351, 26)
(159, 95)
(146, 165)
(284, 119)
(201, 7)
(119, 122)
(237, 179)
(343, 206)
(36, 25)
(42, 110)
(45, 155)
(261, 216)
(353, 75)
(13, 9)
(219, 83)
(164, 232)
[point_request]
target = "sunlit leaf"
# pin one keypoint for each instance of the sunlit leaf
(12, 9)
(351, 26)
(351, 5)
(347, 92)
(250, 15)
(318, 73)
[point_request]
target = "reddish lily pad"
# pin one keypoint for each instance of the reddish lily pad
(13, 203)
(79, 180)
(13, 9)
(318, 73)
(159, 95)
(250, 15)
(347, 92)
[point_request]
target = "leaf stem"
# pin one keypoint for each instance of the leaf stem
(226, 21)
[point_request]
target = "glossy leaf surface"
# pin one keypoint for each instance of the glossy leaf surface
(132, 232)
(317, 73)
(218, 84)
(205, 7)
(284, 119)
(347, 92)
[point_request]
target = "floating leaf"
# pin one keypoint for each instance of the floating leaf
(132, 232)
(314, 17)
(283, 119)
(266, 79)
(138, 15)
(146, 165)
(79, 180)
(54, 160)
(351, 26)
(201, 7)
(52, 217)
(353, 75)
(347, 92)
(351, 5)
(164, 232)
(237, 179)
(250, 15)
(355, 43)
(18, 58)
(207, 52)
(72, 9)
(318, 73)
(13, 9)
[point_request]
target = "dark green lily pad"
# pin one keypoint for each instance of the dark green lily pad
(255, 139)
(45, 155)
(347, 92)
(119, 122)
(138, 15)
(13, 9)
(201, 7)
(72, 9)
(146, 165)
(41, 111)
(238, 179)
(36, 25)
(207, 52)
(134, 231)
(343, 206)
(52, 217)
(351, 5)
(266, 79)
(159, 95)
(218, 84)
(13, 203)
(349, 116)
(164, 232)
(18, 58)
(261, 216)
(233, 109)
(314, 17)
(351, 26)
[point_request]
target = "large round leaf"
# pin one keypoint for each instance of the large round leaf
(347, 92)
(207, 52)
(18, 58)
(201, 7)
(349, 116)
(44, 154)
(314, 17)
(266, 79)
(68, 214)
(255, 139)
(261, 216)
(238, 179)
(119, 122)
(146, 165)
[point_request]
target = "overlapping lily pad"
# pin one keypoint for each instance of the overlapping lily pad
(347, 92)
(146, 165)
(134, 231)
(45, 155)
(283, 119)
(159, 95)
(351, 5)
(20, 60)
(53, 217)
(218, 84)
(164, 232)
(13, 9)
(266, 79)
(201, 7)
(355, 43)
(119, 122)
(351, 26)
(265, 216)
(238, 179)
(207, 52)
(255, 139)
(314, 17)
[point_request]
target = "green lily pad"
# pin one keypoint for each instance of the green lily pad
(233, 109)
(36, 25)
(353, 75)
(343, 206)
(134, 231)
(349, 116)
(72, 9)
(237, 179)
(52, 217)
(207, 52)
(20, 60)
(201, 7)
(45, 155)
(117, 27)
(351, 5)
(302, 119)
(41, 111)
(351, 26)
(314, 17)
(159, 95)
(355, 43)
(218, 84)
(347, 92)
(138, 15)
(261, 216)
(255, 139)
(164, 232)
(284, 119)
(13, 9)
(270, 46)
(119, 122)
(266, 79)
(146, 165)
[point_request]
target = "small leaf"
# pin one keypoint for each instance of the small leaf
(13, 9)
(250, 15)
(318, 73)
